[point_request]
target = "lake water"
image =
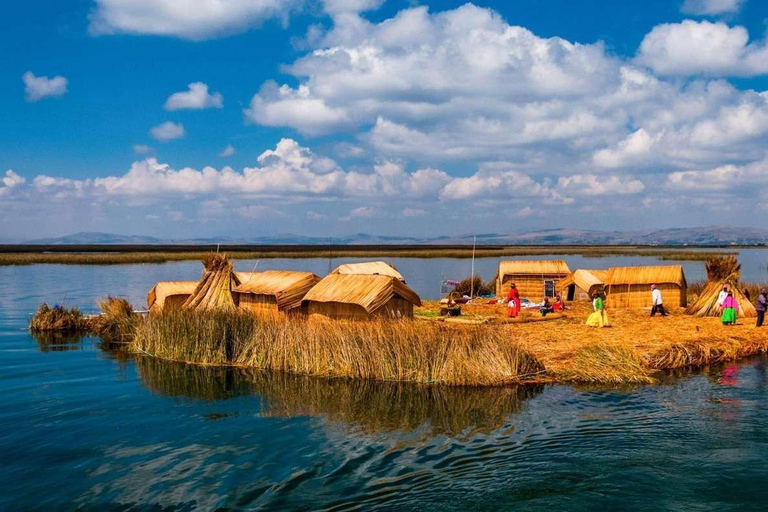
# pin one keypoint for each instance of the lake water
(81, 426)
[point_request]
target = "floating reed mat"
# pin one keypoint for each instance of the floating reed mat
(384, 350)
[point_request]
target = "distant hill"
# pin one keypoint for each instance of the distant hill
(713, 235)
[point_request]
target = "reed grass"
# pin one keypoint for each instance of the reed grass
(116, 257)
(404, 351)
(117, 323)
(608, 363)
(58, 319)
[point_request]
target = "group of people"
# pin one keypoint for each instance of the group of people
(729, 306)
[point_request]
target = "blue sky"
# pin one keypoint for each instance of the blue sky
(389, 117)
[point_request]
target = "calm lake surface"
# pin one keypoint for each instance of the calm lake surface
(85, 427)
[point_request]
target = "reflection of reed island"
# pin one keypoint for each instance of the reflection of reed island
(366, 405)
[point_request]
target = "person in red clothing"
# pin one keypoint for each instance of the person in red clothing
(513, 302)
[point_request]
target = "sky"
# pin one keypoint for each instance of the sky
(248, 118)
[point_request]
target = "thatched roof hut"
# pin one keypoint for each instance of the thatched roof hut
(169, 294)
(272, 290)
(721, 272)
(533, 279)
(361, 297)
(630, 287)
(371, 268)
(582, 284)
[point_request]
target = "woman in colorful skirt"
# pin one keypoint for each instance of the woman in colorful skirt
(598, 318)
(513, 302)
(730, 309)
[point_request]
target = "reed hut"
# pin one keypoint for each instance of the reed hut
(630, 287)
(169, 294)
(369, 268)
(582, 284)
(533, 279)
(272, 291)
(720, 272)
(362, 297)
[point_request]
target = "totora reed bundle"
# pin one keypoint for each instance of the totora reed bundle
(58, 319)
(214, 291)
(721, 272)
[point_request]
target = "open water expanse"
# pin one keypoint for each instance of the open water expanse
(84, 427)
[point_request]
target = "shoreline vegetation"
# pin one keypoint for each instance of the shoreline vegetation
(135, 254)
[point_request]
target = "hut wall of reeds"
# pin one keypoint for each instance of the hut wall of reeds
(362, 297)
(630, 287)
(371, 268)
(169, 294)
(533, 279)
(582, 284)
(272, 291)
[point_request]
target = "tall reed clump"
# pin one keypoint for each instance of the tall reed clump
(475, 285)
(117, 321)
(58, 319)
(606, 363)
(405, 350)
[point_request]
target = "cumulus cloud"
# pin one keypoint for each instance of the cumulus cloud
(188, 19)
(37, 88)
(711, 7)
(726, 177)
(9, 181)
(227, 151)
(167, 131)
(581, 185)
(706, 48)
(196, 98)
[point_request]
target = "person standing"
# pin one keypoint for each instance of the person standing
(761, 306)
(513, 302)
(598, 318)
(730, 308)
(658, 304)
(723, 294)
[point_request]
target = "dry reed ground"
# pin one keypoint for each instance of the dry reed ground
(629, 351)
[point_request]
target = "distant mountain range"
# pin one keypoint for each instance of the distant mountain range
(713, 235)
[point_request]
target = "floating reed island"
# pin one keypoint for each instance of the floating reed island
(363, 321)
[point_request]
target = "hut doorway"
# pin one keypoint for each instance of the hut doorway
(571, 292)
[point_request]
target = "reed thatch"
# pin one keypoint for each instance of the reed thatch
(721, 272)
(214, 291)
(630, 287)
(530, 277)
(588, 283)
(359, 296)
(172, 293)
(371, 268)
(283, 288)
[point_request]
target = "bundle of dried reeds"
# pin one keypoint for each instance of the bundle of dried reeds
(720, 272)
(117, 322)
(58, 319)
(214, 291)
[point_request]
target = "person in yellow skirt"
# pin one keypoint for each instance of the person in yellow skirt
(598, 318)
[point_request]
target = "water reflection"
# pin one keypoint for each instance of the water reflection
(58, 341)
(369, 406)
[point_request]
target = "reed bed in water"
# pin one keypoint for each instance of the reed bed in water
(58, 319)
(114, 257)
(404, 351)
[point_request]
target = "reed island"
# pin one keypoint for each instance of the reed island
(363, 321)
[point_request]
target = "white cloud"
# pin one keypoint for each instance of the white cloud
(727, 177)
(142, 149)
(10, 181)
(188, 19)
(227, 151)
(711, 7)
(196, 98)
(413, 212)
(336, 7)
(363, 211)
(706, 48)
(598, 185)
(40, 87)
(167, 131)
